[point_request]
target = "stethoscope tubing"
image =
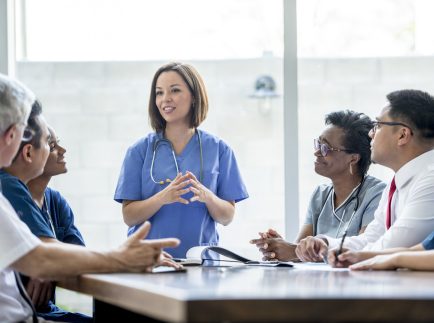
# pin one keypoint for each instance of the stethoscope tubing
(356, 207)
(50, 219)
(160, 141)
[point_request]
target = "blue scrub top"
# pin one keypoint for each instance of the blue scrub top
(428, 243)
(191, 223)
(36, 219)
(62, 217)
(38, 222)
(21, 200)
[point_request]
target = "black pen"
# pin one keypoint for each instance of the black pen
(341, 245)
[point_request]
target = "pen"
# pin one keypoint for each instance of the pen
(341, 245)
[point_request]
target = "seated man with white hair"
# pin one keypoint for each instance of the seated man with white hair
(21, 251)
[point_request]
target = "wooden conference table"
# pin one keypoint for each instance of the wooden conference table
(260, 294)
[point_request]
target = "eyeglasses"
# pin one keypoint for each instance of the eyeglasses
(377, 125)
(27, 132)
(324, 149)
(27, 135)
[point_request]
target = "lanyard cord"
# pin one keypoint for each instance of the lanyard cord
(201, 156)
(50, 219)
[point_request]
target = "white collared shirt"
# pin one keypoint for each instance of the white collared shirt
(412, 210)
(16, 240)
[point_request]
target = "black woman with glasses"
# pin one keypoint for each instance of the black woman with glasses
(346, 205)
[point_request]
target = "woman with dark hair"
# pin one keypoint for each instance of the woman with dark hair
(347, 204)
(56, 223)
(180, 178)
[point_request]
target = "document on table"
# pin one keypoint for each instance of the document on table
(199, 254)
(318, 266)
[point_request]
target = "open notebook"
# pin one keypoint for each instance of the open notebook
(198, 255)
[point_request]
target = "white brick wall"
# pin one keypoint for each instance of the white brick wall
(351, 71)
(409, 71)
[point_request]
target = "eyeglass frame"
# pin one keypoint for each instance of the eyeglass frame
(317, 145)
(28, 133)
(388, 123)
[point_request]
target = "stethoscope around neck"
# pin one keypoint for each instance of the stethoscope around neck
(50, 219)
(163, 141)
(356, 207)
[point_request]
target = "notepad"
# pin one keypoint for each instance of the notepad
(197, 256)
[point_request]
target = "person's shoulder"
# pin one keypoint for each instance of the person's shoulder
(424, 179)
(5, 176)
(322, 190)
(210, 139)
(11, 183)
(52, 194)
(57, 201)
(374, 184)
(144, 141)
(207, 136)
(430, 163)
(140, 146)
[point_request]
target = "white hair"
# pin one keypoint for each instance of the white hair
(15, 102)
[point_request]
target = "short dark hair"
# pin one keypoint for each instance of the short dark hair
(414, 107)
(356, 127)
(34, 126)
(191, 77)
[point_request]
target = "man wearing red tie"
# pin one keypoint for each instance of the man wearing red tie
(403, 140)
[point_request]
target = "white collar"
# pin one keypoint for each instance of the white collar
(412, 168)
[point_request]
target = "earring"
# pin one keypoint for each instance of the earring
(351, 169)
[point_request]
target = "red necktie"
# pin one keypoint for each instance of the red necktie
(389, 204)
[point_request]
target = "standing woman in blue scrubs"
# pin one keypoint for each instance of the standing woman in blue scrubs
(180, 178)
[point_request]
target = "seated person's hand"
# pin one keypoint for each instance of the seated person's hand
(312, 249)
(271, 233)
(139, 255)
(276, 249)
(382, 262)
(347, 257)
(262, 242)
(341, 261)
(166, 260)
(40, 291)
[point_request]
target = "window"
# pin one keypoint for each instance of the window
(101, 30)
(342, 65)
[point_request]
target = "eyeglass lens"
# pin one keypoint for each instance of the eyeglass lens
(321, 147)
(27, 134)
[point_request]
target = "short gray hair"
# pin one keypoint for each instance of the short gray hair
(15, 102)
